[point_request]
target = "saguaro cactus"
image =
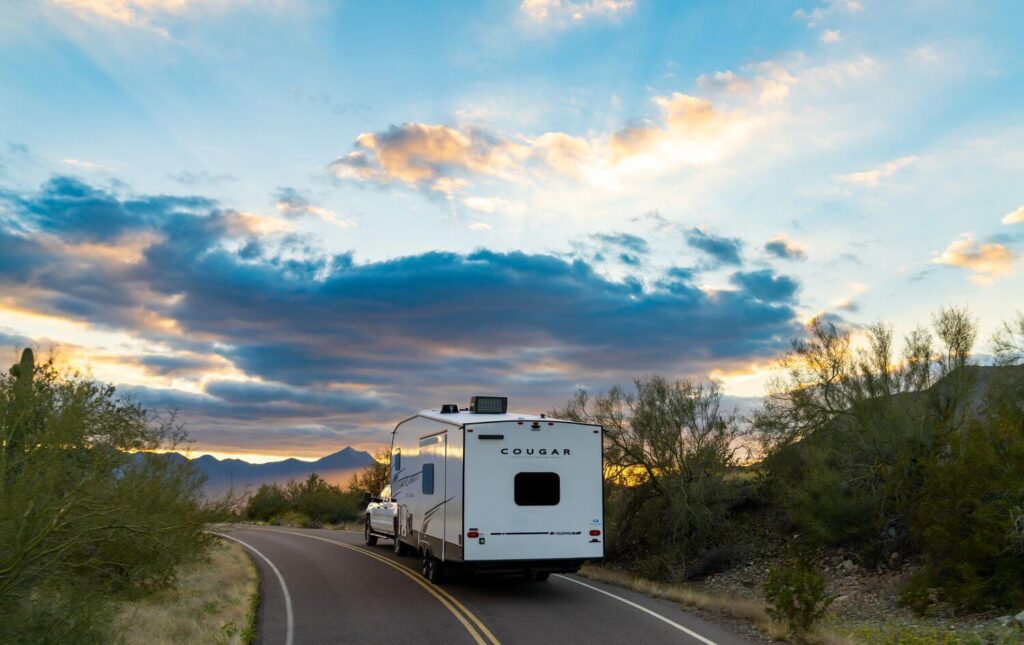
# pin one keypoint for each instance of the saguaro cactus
(25, 369)
(23, 372)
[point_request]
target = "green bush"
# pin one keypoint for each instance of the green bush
(291, 518)
(966, 519)
(269, 500)
(87, 512)
(313, 502)
(797, 596)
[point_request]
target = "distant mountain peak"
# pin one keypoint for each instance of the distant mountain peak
(336, 467)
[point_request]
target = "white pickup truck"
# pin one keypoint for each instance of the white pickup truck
(382, 519)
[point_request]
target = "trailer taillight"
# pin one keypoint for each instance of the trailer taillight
(472, 534)
(595, 532)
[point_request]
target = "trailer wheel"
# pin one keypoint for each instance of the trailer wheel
(370, 538)
(433, 569)
(537, 576)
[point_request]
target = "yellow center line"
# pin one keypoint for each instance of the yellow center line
(443, 596)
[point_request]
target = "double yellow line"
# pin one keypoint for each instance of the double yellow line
(472, 624)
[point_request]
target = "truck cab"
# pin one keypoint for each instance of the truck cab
(381, 513)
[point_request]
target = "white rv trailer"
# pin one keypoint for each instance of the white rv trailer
(495, 491)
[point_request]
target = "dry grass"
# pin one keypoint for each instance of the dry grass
(751, 610)
(214, 602)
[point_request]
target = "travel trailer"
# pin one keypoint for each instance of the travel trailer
(490, 491)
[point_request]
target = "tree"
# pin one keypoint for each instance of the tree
(86, 510)
(375, 477)
(668, 445)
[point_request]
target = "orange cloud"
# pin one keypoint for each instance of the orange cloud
(562, 13)
(985, 260)
(874, 176)
(426, 155)
(1016, 217)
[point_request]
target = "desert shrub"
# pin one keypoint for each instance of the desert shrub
(311, 503)
(86, 512)
(797, 596)
(291, 518)
(323, 502)
(668, 447)
(374, 478)
(716, 559)
(268, 500)
(966, 515)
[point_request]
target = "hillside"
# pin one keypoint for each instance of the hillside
(335, 468)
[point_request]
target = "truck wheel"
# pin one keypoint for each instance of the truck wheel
(433, 569)
(371, 539)
(400, 547)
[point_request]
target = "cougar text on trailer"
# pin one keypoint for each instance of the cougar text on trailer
(494, 491)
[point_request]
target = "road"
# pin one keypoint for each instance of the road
(323, 586)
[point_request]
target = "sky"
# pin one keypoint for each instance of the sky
(298, 222)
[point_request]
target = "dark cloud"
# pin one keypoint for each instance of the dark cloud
(722, 250)
(176, 364)
(766, 286)
(79, 212)
(633, 244)
(326, 341)
(784, 249)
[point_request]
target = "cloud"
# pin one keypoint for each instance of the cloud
(80, 212)
(314, 339)
(849, 302)
(874, 176)
(291, 203)
(830, 36)
(564, 13)
(428, 157)
(723, 250)
(87, 165)
(818, 15)
(444, 159)
(1014, 217)
(144, 13)
(985, 260)
(632, 243)
(784, 248)
(766, 286)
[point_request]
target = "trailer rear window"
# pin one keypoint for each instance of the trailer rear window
(538, 489)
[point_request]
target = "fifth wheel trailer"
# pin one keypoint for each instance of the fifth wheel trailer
(491, 491)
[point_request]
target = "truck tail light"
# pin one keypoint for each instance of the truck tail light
(472, 534)
(595, 532)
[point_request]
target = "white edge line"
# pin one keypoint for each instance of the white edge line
(289, 619)
(643, 609)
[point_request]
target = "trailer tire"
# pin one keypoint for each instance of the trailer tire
(433, 568)
(368, 536)
(538, 576)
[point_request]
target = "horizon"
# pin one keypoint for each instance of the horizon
(297, 245)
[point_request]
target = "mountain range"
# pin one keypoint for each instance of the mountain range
(336, 468)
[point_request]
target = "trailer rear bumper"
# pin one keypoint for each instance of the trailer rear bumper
(487, 567)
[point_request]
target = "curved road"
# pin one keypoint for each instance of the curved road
(322, 586)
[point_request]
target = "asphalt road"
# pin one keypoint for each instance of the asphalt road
(321, 586)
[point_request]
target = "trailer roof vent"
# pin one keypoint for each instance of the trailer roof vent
(449, 408)
(488, 404)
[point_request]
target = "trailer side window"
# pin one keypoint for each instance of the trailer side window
(398, 460)
(428, 479)
(538, 489)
